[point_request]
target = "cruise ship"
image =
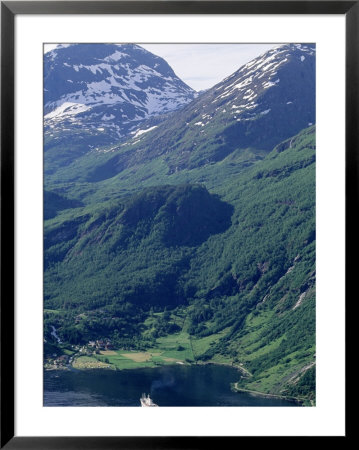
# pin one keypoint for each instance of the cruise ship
(147, 401)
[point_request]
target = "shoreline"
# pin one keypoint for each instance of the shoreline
(234, 386)
(266, 395)
(234, 366)
(182, 363)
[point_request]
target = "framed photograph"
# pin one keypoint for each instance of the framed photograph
(175, 182)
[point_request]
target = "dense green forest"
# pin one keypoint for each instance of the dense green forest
(224, 252)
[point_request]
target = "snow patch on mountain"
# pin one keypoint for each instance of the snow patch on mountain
(250, 82)
(140, 132)
(67, 109)
(116, 86)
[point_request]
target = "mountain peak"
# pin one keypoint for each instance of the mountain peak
(263, 103)
(110, 88)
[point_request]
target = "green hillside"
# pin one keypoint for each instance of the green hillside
(218, 255)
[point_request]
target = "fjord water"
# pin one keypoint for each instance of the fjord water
(201, 385)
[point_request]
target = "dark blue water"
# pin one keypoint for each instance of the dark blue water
(202, 385)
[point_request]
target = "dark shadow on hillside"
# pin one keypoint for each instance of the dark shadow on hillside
(185, 215)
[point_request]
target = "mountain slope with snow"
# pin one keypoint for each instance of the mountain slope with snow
(240, 119)
(201, 223)
(99, 93)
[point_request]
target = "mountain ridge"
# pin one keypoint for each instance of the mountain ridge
(226, 120)
(97, 93)
(199, 229)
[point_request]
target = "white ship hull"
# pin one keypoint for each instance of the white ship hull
(146, 401)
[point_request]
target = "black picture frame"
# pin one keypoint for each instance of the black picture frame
(9, 10)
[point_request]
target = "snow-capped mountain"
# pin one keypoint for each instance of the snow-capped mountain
(93, 90)
(240, 119)
(282, 76)
(243, 117)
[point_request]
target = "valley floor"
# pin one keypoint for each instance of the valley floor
(184, 349)
(164, 354)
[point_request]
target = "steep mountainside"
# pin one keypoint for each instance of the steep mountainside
(241, 118)
(241, 268)
(98, 93)
(201, 229)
